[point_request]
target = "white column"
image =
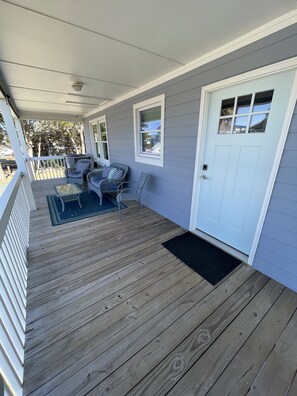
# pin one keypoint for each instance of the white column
(15, 144)
(24, 148)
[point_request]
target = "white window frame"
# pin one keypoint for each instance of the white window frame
(146, 158)
(99, 160)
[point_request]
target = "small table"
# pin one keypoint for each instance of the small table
(67, 193)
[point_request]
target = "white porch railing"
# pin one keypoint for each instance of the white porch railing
(14, 237)
(45, 168)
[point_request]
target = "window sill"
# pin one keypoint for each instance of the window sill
(149, 160)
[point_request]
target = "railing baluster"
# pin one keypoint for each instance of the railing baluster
(14, 235)
(46, 168)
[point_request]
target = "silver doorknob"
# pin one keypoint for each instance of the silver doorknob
(204, 177)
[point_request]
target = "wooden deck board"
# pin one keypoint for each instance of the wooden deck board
(110, 311)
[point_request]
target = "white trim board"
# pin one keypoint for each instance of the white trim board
(269, 28)
(204, 105)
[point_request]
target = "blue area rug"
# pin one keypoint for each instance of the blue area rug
(90, 207)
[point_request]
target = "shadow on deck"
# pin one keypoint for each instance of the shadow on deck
(110, 311)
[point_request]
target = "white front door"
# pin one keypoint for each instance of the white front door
(243, 128)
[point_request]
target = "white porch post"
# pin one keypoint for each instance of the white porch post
(15, 143)
(24, 147)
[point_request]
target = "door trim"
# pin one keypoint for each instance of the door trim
(204, 108)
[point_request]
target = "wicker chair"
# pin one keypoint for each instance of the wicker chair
(76, 175)
(131, 191)
(108, 179)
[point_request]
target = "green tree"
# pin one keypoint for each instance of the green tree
(45, 138)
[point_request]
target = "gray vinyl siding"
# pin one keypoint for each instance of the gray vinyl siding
(276, 254)
(170, 188)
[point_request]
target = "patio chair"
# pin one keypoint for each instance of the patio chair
(108, 179)
(131, 193)
(76, 175)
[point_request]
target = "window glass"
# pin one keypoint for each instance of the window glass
(243, 104)
(150, 119)
(258, 123)
(151, 142)
(263, 101)
(105, 151)
(251, 113)
(95, 132)
(240, 124)
(100, 140)
(225, 125)
(103, 131)
(227, 107)
(149, 130)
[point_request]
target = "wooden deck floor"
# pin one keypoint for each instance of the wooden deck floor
(111, 312)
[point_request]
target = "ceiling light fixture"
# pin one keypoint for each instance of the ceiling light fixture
(77, 86)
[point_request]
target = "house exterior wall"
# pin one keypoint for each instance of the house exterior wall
(170, 188)
(276, 254)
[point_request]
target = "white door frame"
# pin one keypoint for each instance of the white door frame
(204, 108)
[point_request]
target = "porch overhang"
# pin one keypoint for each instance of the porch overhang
(61, 61)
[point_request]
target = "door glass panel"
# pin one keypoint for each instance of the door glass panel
(243, 104)
(227, 107)
(258, 123)
(240, 124)
(225, 125)
(263, 101)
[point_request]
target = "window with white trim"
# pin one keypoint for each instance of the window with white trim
(149, 130)
(99, 140)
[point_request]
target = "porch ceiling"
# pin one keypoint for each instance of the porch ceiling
(114, 47)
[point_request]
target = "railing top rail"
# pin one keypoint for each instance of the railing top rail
(46, 158)
(7, 201)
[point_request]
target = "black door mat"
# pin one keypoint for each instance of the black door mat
(212, 263)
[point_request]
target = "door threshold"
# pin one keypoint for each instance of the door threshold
(228, 249)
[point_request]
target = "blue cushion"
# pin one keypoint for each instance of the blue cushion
(74, 174)
(95, 179)
(111, 173)
(106, 171)
(82, 166)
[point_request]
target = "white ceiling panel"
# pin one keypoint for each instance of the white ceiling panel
(113, 46)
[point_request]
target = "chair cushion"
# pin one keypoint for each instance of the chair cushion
(111, 173)
(95, 180)
(106, 171)
(74, 174)
(82, 166)
(118, 174)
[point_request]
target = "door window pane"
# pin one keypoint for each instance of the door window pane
(250, 116)
(227, 107)
(225, 125)
(263, 101)
(240, 124)
(243, 104)
(258, 123)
